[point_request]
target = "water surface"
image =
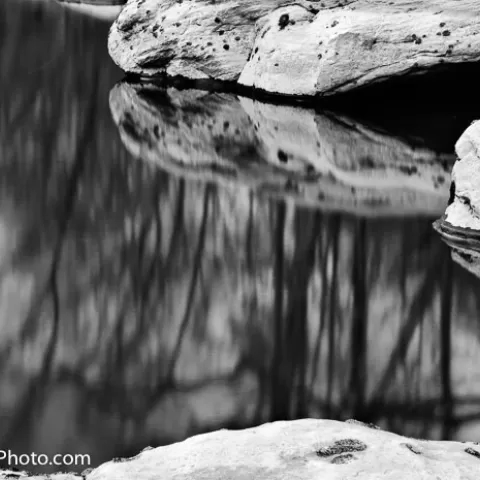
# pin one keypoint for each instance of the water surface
(152, 288)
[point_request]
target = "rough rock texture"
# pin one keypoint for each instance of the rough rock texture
(463, 213)
(301, 449)
(318, 159)
(294, 47)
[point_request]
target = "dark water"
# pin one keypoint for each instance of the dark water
(162, 276)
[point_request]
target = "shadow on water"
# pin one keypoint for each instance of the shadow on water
(152, 288)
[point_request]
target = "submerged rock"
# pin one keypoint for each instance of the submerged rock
(319, 159)
(301, 449)
(294, 47)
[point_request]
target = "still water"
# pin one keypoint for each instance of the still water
(176, 261)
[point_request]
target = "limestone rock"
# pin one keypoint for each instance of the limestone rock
(294, 47)
(462, 216)
(302, 449)
(318, 159)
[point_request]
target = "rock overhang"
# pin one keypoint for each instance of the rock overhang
(294, 48)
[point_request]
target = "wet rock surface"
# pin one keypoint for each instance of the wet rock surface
(294, 47)
(318, 159)
(303, 449)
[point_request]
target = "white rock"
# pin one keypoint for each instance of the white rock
(464, 208)
(303, 450)
(294, 47)
(324, 160)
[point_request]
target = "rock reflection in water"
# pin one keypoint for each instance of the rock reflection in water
(319, 159)
(138, 307)
(463, 242)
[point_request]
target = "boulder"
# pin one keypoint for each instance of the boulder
(302, 449)
(315, 158)
(294, 47)
(461, 221)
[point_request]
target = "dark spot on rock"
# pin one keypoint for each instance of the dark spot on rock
(282, 156)
(156, 131)
(127, 25)
(226, 47)
(226, 125)
(341, 459)
(256, 50)
(334, 23)
(418, 40)
(237, 39)
(465, 200)
(412, 448)
(473, 452)
(221, 32)
(441, 179)
(442, 24)
(276, 64)
(369, 43)
(452, 193)
(446, 33)
(217, 20)
(319, 56)
(283, 21)
(314, 10)
(342, 446)
(209, 44)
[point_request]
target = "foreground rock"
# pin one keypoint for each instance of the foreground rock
(302, 449)
(323, 160)
(294, 47)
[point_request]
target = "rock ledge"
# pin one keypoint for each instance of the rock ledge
(294, 47)
(302, 449)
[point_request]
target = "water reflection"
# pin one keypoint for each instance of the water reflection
(139, 307)
(324, 159)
